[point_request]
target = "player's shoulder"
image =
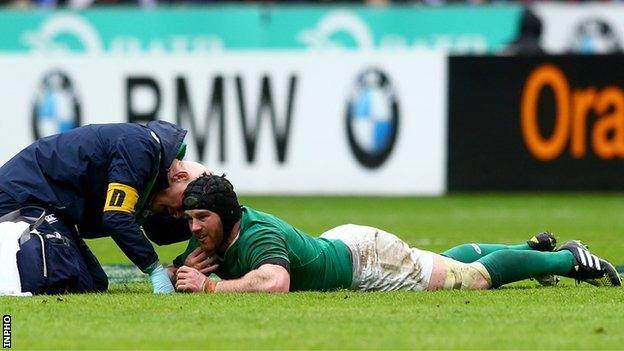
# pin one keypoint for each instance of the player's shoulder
(254, 219)
(256, 224)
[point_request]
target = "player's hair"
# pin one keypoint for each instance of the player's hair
(216, 194)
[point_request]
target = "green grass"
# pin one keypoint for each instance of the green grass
(521, 316)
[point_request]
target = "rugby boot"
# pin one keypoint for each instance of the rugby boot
(544, 241)
(589, 267)
(547, 280)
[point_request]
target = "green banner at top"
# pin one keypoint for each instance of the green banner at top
(454, 29)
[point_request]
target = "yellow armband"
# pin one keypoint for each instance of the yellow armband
(120, 197)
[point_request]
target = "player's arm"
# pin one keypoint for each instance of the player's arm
(267, 278)
(270, 278)
(266, 257)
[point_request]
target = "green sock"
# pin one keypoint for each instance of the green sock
(508, 266)
(469, 253)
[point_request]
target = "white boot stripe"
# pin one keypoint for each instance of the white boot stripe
(582, 256)
(597, 261)
(590, 262)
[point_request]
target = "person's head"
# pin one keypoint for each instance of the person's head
(212, 208)
(179, 175)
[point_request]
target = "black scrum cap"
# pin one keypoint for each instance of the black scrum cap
(216, 194)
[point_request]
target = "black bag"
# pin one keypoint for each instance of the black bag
(48, 263)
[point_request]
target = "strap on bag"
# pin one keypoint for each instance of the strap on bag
(34, 222)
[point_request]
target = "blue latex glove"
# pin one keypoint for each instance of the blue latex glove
(160, 281)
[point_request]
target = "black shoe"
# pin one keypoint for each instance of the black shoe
(544, 241)
(590, 268)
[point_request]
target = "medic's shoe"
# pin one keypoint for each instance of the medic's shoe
(544, 241)
(589, 267)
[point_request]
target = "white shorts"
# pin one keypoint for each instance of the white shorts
(382, 261)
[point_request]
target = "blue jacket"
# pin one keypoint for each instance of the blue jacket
(69, 173)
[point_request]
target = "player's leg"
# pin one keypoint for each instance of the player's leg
(572, 260)
(498, 268)
(544, 241)
(447, 274)
(506, 266)
(514, 265)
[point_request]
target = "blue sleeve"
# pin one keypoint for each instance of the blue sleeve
(127, 235)
(131, 164)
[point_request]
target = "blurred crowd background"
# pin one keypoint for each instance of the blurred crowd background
(527, 40)
(148, 3)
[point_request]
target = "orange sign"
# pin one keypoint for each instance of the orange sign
(572, 123)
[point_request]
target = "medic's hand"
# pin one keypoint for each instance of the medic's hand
(201, 261)
(192, 280)
(160, 281)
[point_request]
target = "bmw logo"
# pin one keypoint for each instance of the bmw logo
(595, 36)
(56, 108)
(372, 118)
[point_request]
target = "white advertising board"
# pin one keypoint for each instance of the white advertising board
(274, 122)
(591, 28)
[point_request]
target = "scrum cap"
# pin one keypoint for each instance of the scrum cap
(216, 194)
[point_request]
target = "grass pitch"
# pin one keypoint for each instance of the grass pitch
(519, 316)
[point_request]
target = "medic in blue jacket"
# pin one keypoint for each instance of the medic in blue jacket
(96, 181)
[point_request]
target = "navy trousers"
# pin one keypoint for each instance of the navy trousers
(56, 261)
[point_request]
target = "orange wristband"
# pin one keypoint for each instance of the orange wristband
(209, 285)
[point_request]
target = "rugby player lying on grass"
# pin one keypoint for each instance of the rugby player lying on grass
(254, 251)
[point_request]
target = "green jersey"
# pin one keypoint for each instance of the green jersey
(313, 263)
